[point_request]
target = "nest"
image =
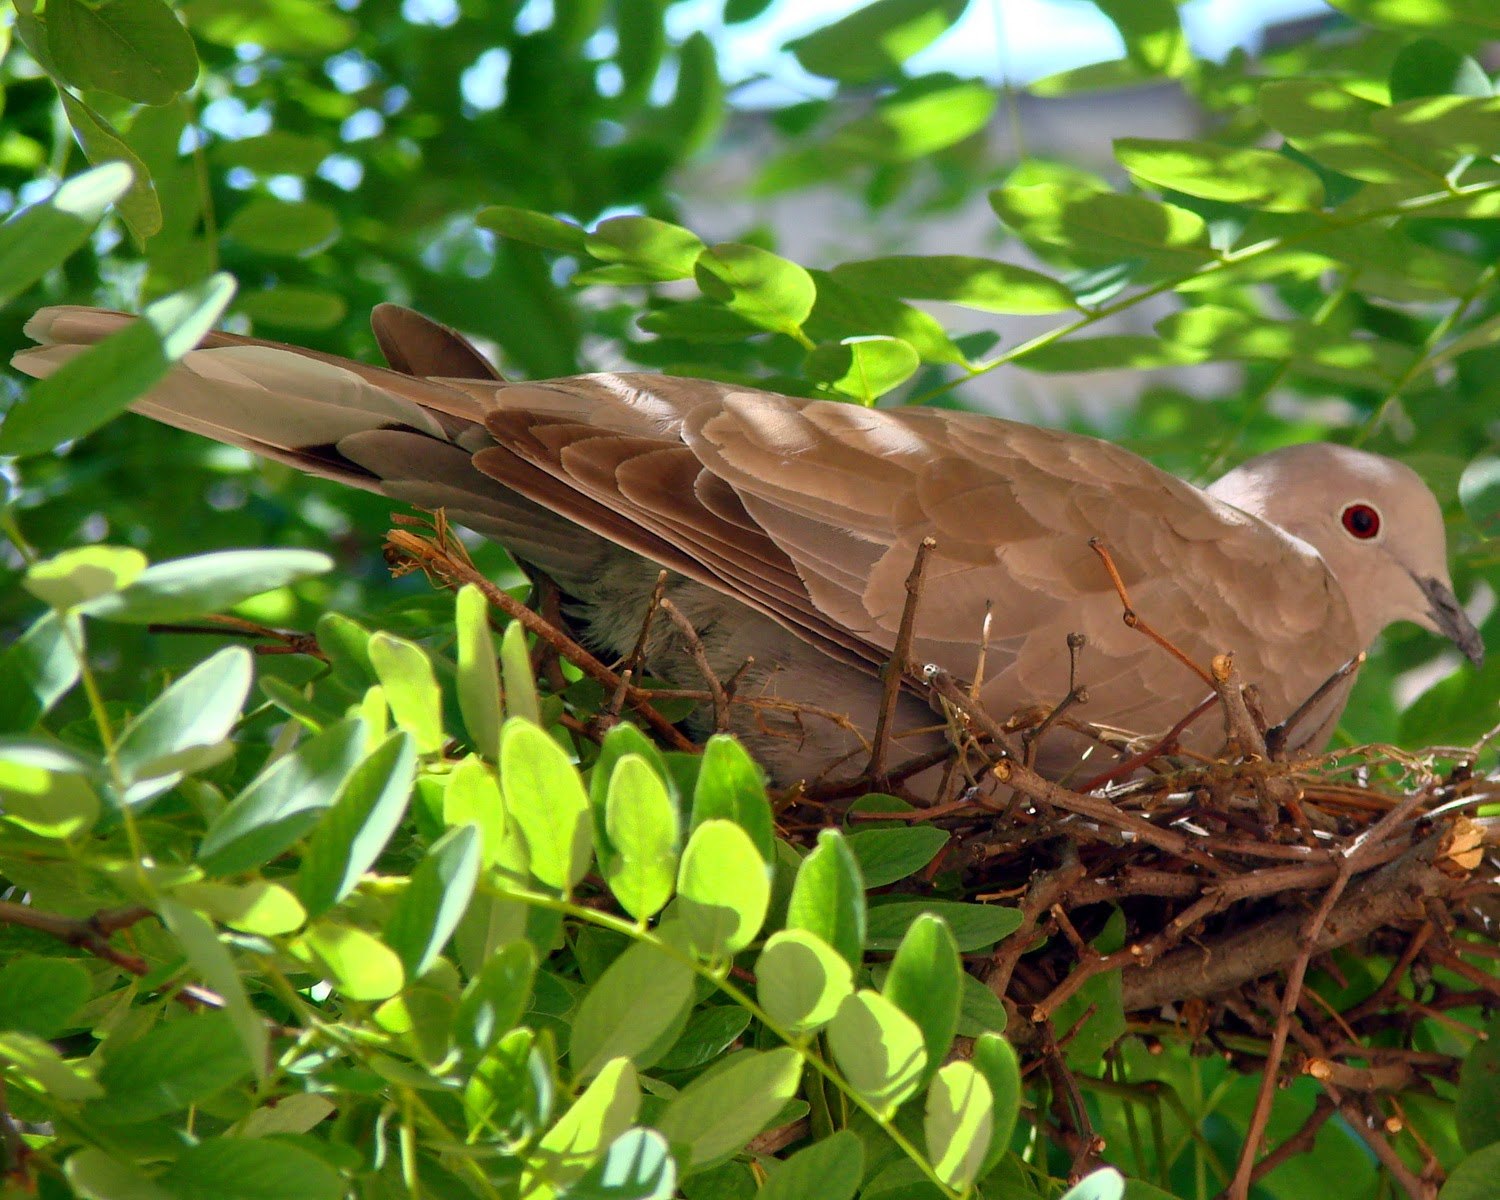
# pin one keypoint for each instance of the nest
(1237, 876)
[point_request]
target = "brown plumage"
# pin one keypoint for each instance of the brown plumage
(790, 526)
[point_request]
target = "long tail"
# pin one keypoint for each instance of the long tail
(399, 433)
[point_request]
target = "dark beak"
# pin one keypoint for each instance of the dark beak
(1449, 617)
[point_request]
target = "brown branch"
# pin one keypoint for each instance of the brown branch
(451, 571)
(895, 669)
(699, 656)
(1133, 619)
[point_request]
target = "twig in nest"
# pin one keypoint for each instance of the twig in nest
(700, 660)
(448, 565)
(282, 641)
(1277, 735)
(632, 665)
(1164, 745)
(895, 668)
(1077, 694)
(1134, 620)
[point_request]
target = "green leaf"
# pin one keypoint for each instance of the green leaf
(696, 111)
(1104, 1184)
(185, 727)
(604, 1112)
(925, 982)
(1448, 128)
(709, 1032)
(36, 1060)
(1332, 126)
(981, 283)
(696, 321)
(179, 1062)
(1104, 227)
(842, 312)
(212, 962)
(875, 39)
(472, 797)
(723, 890)
(637, 1166)
(635, 1010)
(918, 119)
(1479, 492)
(40, 237)
(725, 1107)
(182, 588)
(958, 1123)
(1474, 1177)
(355, 829)
(134, 48)
(1152, 32)
(1446, 17)
(760, 286)
(887, 855)
(521, 698)
(77, 576)
(1427, 67)
(828, 898)
(668, 251)
(226, 1168)
(800, 980)
(534, 228)
(478, 676)
(98, 383)
(879, 1050)
(40, 667)
(994, 1058)
(974, 926)
(284, 228)
(256, 906)
(644, 835)
(96, 1176)
(279, 152)
(139, 208)
(411, 689)
(493, 1001)
(428, 911)
(283, 802)
(863, 367)
(1477, 1109)
(546, 799)
(39, 995)
(293, 27)
(358, 964)
(830, 1169)
(46, 793)
(1232, 174)
(731, 786)
(294, 307)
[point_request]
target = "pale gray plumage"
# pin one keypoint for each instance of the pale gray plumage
(791, 525)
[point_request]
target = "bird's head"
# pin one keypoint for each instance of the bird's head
(1376, 525)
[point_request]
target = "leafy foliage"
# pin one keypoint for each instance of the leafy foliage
(378, 922)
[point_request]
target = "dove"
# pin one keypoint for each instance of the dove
(789, 526)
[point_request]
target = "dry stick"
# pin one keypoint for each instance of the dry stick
(632, 664)
(895, 669)
(1353, 860)
(221, 625)
(1133, 619)
(1276, 736)
(1077, 694)
(436, 561)
(700, 660)
(1381, 898)
(1164, 745)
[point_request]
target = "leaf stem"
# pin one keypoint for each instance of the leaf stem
(630, 929)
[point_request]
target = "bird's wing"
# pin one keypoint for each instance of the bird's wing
(849, 493)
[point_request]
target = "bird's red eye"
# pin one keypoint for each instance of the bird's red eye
(1361, 520)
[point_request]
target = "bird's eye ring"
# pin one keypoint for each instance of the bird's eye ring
(1361, 521)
